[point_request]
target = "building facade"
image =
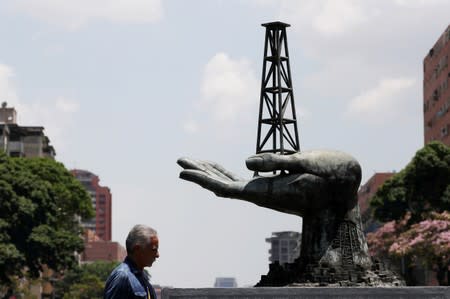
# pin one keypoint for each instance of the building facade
(101, 198)
(96, 249)
(365, 193)
(22, 141)
(284, 246)
(436, 91)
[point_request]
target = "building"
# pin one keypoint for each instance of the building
(22, 141)
(96, 249)
(436, 91)
(284, 247)
(225, 282)
(368, 190)
(98, 230)
(365, 193)
(101, 201)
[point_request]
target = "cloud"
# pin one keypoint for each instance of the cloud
(419, 2)
(381, 103)
(66, 105)
(336, 17)
(55, 115)
(229, 87)
(190, 126)
(7, 90)
(74, 15)
(345, 47)
(327, 17)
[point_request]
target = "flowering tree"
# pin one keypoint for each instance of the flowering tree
(427, 241)
(381, 240)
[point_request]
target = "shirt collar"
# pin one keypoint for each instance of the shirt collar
(132, 265)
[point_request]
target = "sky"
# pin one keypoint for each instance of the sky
(125, 88)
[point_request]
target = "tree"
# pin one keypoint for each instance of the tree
(40, 207)
(426, 242)
(85, 281)
(423, 186)
(89, 287)
(414, 204)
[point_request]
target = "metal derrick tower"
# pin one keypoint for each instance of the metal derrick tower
(277, 121)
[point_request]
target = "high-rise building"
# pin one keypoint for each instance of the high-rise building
(436, 91)
(284, 246)
(22, 141)
(101, 201)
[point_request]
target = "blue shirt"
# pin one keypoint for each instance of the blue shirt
(127, 282)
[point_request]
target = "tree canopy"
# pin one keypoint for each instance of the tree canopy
(41, 204)
(86, 281)
(423, 186)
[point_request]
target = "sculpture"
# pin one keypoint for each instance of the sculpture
(320, 186)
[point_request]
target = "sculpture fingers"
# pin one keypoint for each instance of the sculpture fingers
(218, 186)
(267, 162)
(205, 166)
(227, 173)
(323, 163)
(188, 163)
(211, 168)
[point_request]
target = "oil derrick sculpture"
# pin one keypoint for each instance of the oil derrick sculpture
(320, 186)
(277, 123)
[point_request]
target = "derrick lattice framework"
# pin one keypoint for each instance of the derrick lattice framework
(277, 123)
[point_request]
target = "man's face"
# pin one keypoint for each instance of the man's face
(146, 255)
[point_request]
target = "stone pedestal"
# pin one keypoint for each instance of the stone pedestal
(309, 293)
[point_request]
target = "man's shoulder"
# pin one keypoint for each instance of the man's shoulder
(123, 276)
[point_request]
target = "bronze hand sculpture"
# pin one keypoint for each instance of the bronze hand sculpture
(320, 186)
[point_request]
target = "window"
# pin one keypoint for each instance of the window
(435, 95)
(444, 131)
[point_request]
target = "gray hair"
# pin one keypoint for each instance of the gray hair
(139, 235)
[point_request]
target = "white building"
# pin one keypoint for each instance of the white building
(284, 246)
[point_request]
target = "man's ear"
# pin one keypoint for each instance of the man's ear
(136, 248)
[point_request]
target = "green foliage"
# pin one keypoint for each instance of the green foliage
(422, 187)
(40, 204)
(390, 200)
(90, 287)
(414, 205)
(85, 281)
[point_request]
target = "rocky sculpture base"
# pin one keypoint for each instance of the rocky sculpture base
(323, 275)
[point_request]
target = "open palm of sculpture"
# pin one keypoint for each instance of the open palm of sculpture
(320, 186)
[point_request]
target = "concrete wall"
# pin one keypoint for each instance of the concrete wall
(310, 293)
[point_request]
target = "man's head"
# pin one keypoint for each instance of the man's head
(142, 245)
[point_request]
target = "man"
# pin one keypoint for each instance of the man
(129, 280)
